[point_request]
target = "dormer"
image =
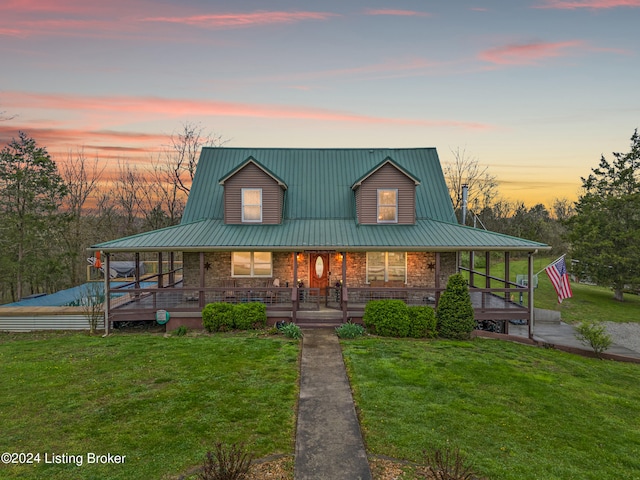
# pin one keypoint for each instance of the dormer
(386, 194)
(252, 195)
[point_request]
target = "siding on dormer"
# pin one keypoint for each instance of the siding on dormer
(252, 177)
(387, 177)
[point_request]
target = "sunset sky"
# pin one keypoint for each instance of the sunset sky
(535, 89)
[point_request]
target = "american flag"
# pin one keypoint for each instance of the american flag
(559, 277)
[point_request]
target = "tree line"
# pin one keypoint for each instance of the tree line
(50, 214)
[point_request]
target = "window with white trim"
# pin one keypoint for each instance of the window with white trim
(386, 267)
(387, 205)
(252, 205)
(251, 264)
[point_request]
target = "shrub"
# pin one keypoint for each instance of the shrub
(291, 330)
(448, 464)
(218, 317)
(422, 322)
(594, 334)
(249, 316)
(349, 330)
(388, 318)
(181, 331)
(454, 316)
(226, 463)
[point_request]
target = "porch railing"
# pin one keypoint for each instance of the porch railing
(126, 302)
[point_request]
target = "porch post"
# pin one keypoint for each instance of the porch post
(137, 270)
(201, 292)
(343, 294)
(487, 262)
(507, 295)
(530, 288)
(437, 279)
(472, 261)
(160, 276)
(172, 275)
(107, 296)
(294, 289)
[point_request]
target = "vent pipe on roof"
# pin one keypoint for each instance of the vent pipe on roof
(465, 198)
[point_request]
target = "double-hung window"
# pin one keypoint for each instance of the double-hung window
(251, 264)
(251, 205)
(387, 205)
(386, 267)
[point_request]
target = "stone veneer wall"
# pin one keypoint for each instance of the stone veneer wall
(220, 270)
(419, 273)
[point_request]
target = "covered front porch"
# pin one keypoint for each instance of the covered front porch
(308, 286)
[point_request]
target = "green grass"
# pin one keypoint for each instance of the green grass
(588, 302)
(517, 412)
(162, 402)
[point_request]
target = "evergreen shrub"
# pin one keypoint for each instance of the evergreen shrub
(387, 318)
(422, 321)
(218, 317)
(249, 316)
(454, 316)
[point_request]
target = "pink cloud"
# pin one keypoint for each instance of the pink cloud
(528, 54)
(402, 13)
(145, 107)
(120, 18)
(593, 4)
(243, 19)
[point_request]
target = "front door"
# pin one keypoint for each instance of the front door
(319, 266)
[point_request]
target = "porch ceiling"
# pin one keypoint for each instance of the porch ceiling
(310, 234)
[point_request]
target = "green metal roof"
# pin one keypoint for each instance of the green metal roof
(312, 234)
(319, 180)
(319, 210)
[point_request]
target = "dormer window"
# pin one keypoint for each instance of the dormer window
(251, 205)
(387, 205)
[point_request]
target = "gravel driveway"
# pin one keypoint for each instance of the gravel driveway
(625, 334)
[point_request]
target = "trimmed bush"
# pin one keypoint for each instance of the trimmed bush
(218, 317)
(249, 316)
(387, 318)
(422, 322)
(454, 316)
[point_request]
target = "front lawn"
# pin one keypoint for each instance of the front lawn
(161, 401)
(517, 412)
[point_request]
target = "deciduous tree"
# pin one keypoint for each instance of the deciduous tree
(82, 177)
(466, 170)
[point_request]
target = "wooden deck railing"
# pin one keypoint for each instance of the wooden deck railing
(126, 302)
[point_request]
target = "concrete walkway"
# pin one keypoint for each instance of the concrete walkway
(329, 443)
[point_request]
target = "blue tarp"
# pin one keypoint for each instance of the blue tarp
(70, 296)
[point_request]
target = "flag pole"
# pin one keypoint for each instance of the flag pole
(561, 256)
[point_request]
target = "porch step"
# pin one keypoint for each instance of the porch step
(320, 315)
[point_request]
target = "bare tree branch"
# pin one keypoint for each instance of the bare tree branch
(466, 169)
(183, 152)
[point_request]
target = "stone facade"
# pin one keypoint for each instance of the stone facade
(420, 269)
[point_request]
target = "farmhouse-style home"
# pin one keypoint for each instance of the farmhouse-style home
(314, 233)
